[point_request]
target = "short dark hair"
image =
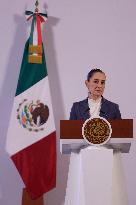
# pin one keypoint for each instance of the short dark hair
(92, 72)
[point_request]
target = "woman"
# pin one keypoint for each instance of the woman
(95, 104)
(94, 162)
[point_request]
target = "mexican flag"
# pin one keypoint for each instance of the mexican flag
(31, 138)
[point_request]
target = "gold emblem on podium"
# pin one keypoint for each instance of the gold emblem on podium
(96, 131)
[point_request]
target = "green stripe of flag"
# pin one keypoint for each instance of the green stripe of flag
(30, 73)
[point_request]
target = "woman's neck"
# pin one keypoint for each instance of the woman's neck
(94, 97)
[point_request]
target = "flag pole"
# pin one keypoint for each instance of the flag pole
(26, 200)
(36, 6)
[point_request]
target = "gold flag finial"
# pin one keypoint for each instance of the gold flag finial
(36, 5)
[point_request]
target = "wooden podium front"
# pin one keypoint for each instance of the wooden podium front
(71, 135)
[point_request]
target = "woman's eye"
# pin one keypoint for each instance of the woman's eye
(96, 81)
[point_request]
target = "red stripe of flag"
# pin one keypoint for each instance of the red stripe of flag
(37, 165)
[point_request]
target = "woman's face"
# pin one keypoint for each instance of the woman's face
(96, 84)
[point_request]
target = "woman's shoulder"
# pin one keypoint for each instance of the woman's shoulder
(110, 103)
(81, 102)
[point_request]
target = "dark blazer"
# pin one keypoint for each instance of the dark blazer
(80, 110)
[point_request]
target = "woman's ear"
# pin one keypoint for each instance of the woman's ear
(86, 83)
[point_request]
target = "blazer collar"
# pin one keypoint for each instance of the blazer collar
(85, 109)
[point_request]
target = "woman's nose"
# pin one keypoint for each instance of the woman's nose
(99, 85)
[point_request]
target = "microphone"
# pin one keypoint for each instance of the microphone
(87, 109)
(86, 113)
(104, 113)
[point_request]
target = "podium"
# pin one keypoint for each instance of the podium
(95, 173)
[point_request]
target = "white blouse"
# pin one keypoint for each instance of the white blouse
(95, 106)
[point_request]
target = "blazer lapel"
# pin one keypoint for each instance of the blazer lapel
(85, 109)
(103, 110)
